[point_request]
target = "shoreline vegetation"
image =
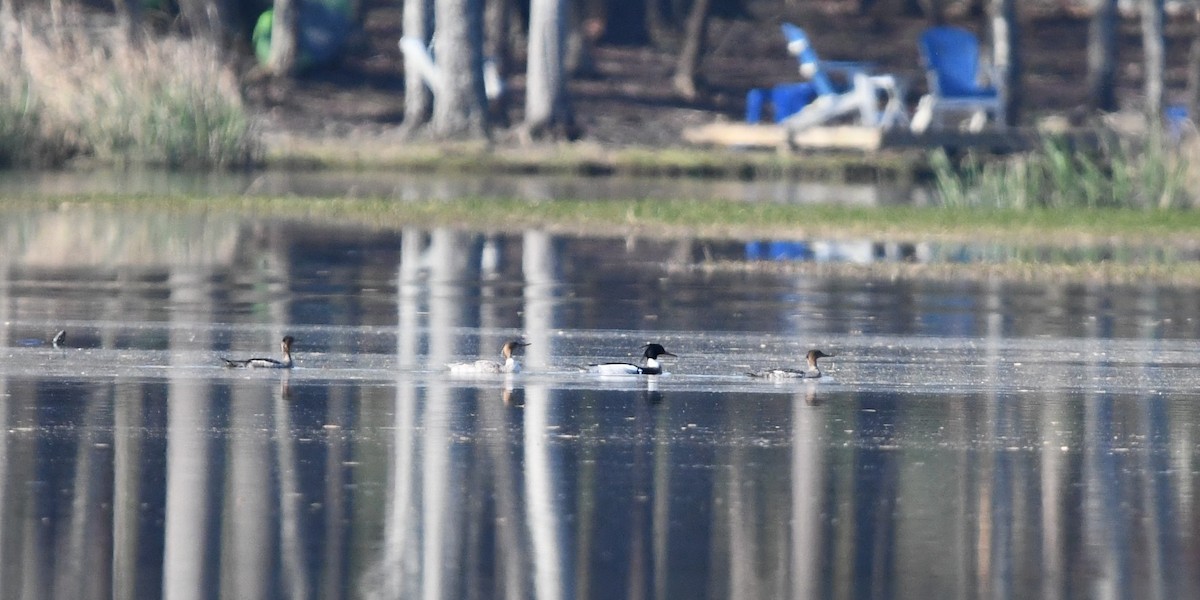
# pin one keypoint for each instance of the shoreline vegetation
(587, 159)
(1113, 246)
(89, 95)
(1053, 228)
(83, 91)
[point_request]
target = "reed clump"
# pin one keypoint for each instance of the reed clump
(1150, 171)
(79, 89)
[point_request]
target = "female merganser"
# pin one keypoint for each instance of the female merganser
(266, 363)
(812, 372)
(510, 364)
(652, 366)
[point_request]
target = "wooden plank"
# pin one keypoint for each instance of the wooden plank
(839, 137)
(871, 139)
(737, 134)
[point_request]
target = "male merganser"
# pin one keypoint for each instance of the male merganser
(59, 338)
(652, 366)
(266, 363)
(510, 364)
(812, 372)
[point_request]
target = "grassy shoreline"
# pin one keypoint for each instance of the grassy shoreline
(582, 158)
(1101, 273)
(1017, 246)
(1056, 228)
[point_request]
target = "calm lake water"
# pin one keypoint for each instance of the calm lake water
(972, 439)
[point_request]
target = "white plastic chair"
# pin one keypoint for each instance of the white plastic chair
(831, 105)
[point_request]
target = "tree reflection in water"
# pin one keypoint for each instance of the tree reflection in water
(977, 438)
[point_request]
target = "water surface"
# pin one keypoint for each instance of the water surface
(971, 439)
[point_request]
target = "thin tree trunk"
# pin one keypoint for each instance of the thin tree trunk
(1154, 50)
(655, 28)
(1005, 40)
(206, 18)
(693, 48)
(9, 27)
(56, 18)
(460, 105)
(1102, 57)
(547, 107)
(578, 53)
(129, 20)
(1193, 72)
(285, 44)
(418, 99)
(496, 21)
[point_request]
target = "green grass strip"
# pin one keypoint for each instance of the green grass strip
(684, 217)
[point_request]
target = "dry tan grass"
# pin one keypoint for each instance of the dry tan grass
(1189, 154)
(168, 100)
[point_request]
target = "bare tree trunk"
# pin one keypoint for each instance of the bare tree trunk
(129, 20)
(56, 18)
(547, 107)
(655, 28)
(1005, 40)
(693, 48)
(496, 21)
(578, 53)
(1154, 49)
(1102, 57)
(418, 100)
(9, 27)
(1193, 72)
(460, 104)
(285, 38)
(206, 18)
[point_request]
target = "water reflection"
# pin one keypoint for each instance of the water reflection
(403, 186)
(975, 439)
(81, 267)
(453, 494)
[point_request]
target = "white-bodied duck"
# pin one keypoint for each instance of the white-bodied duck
(651, 366)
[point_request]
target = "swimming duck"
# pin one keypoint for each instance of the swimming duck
(812, 372)
(266, 363)
(652, 366)
(510, 364)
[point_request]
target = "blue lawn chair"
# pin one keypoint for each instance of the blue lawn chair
(810, 66)
(785, 100)
(951, 59)
(860, 95)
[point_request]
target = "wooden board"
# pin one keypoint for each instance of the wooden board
(839, 137)
(743, 135)
(871, 139)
